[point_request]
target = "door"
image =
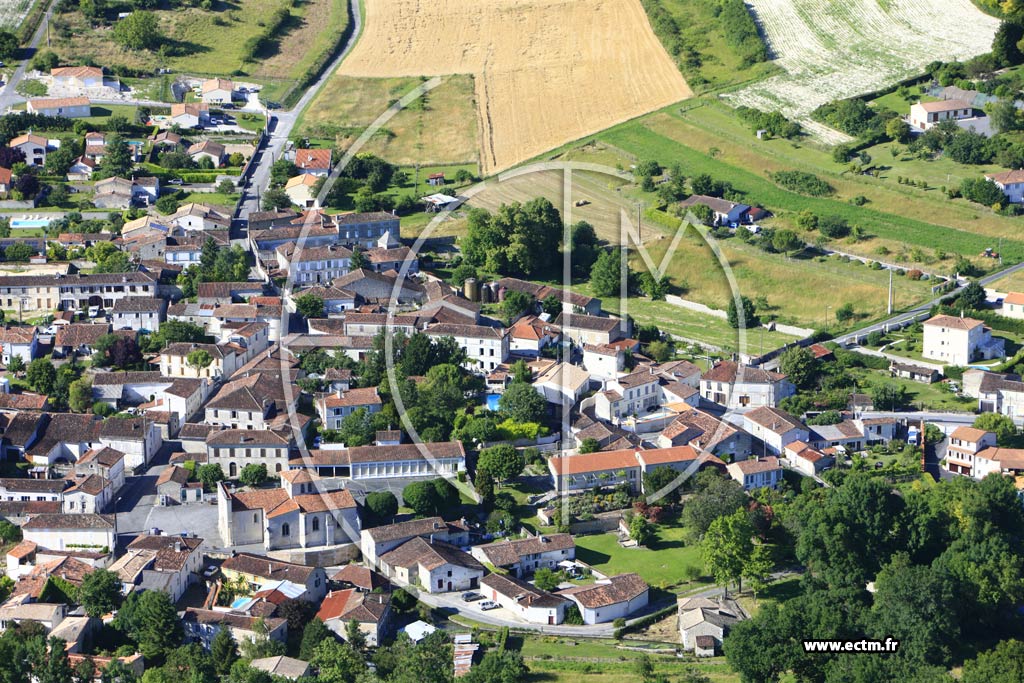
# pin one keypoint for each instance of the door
(551, 620)
(449, 586)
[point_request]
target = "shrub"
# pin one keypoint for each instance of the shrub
(802, 183)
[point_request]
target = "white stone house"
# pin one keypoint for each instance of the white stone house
(521, 557)
(524, 599)
(139, 313)
(18, 341)
(1011, 183)
(433, 565)
(775, 428)
(959, 341)
(66, 531)
(756, 473)
(138, 438)
(926, 115)
(736, 386)
(609, 599)
(486, 347)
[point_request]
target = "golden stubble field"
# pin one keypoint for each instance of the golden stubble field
(546, 71)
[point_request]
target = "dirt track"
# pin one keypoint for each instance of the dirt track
(546, 71)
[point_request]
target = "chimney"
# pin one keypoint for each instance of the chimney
(340, 393)
(177, 546)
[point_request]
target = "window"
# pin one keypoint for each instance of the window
(286, 529)
(255, 518)
(316, 524)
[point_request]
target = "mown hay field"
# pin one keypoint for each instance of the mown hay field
(545, 71)
(832, 50)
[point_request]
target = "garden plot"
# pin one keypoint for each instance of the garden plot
(832, 50)
(12, 13)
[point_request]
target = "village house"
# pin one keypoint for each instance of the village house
(187, 115)
(335, 407)
(77, 76)
(756, 473)
(6, 178)
(723, 212)
(572, 302)
(282, 667)
(365, 230)
(300, 190)
(587, 471)
(562, 383)
(704, 623)
(207, 149)
(18, 341)
(927, 115)
(199, 217)
(380, 461)
(736, 386)
(602, 361)
(775, 428)
(433, 565)
(609, 599)
(486, 347)
(706, 432)
(377, 541)
(313, 264)
(233, 449)
(217, 91)
(138, 313)
(959, 341)
(202, 626)
(260, 572)
(169, 564)
(370, 611)
(524, 599)
(32, 146)
(808, 461)
(1001, 393)
(1012, 185)
(522, 557)
(915, 373)
(64, 531)
(81, 170)
(965, 443)
(582, 329)
(313, 161)
(47, 615)
(138, 438)
(225, 360)
(68, 107)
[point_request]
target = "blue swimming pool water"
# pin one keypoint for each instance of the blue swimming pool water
(492, 401)
(28, 223)
(239, 602)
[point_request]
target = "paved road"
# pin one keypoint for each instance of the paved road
(919, 309)
(281, 123)
(9, 96)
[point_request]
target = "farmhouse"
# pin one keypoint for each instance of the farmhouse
(723, 212)
(916, 373)
(733, 385)
(1011, 183)
(524, 599)
(704, 623)
(434, 565)
(609, 599)
(959, 341)
(207, 149)
(925, 115)
(68, 107)
(524, 556)
(371, 611)
(1001, 393)
(774, 427)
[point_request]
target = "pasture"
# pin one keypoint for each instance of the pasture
(539, 80)
(833, 50)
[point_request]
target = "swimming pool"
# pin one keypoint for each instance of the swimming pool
(29, 223)
(492, 401)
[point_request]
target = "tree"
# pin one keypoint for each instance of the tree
(523, 403)
(519, 239)
(897, 130)
(546, 579)
(80, 395)
(498, 666)
(42, 376)
(1002, 425)
(785, 241)
(583, 248)
(155, 624)
(275, 199)
(314, 634)
(337, 662)
(16, 364)
(354, 636)
(726, 547)
(1003, 114)
(117, 158)
(421, 496)
(640, 530)
(309, 306)
(716, 496)
(200, 359)
(484, 486)
(8, 44)
(658, 479)
(972, 297)
(19, 251)
(749, 313)
(800, 366)
(209, 474)
(516, 303)
(551, 305)
(502, 461)
(1002, 664)
(845, 313)
(224, 651)
(358, 259)
(758, 567)
(589, 445)
(889, 396)
(981, 191)
(606, 273)
(383, 505)
(138, 31)
(253, 474)
(100, 592)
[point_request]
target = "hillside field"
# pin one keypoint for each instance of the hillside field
(833, 50)
(540, 80)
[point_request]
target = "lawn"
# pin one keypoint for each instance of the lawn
(924, 396)
(438, 128)
(1011, 283)
(227, 201)
(776, 593)
(600, 661)
(661, 565)
(212, 42)
(100, 113)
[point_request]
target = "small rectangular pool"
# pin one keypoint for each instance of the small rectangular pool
(492, 401)
(29, 223)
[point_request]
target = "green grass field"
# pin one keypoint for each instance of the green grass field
(437, 129)
(211, 42)
(661, 565)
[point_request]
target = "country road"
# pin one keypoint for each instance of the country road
(281, 122)
(9, 95)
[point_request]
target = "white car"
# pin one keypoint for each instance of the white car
(489, 604)
(94, 311)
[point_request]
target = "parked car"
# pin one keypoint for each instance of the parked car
(470, 596)
(94, 311)
(489, 604)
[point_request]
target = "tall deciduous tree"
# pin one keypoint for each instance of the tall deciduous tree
(523, 403)
(502, 461)
(726, 547)
(100, 592)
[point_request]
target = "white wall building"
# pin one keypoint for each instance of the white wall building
(959, 341)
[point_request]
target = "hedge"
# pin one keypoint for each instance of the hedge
(644, 622)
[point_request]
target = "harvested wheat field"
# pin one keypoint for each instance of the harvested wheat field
(546, 71)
